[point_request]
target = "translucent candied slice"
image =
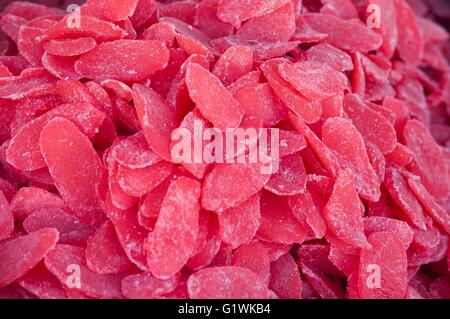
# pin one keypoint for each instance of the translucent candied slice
(179, 215)
(404, 198)
(123, 60)
(234, 63)
(382, 270)
(70, 47)
(277, 26)
(378, 224)
(23, 151)
(68, 264)
(238, 225)
(285, 278)
(112, 10)
(35, 246)
(342, 136)
(130, 234)
(345, 34)
(313, 80)
(258, 100)
(374, 127)
(183, 10)
(104, 254)
(75, 167)
(28, 199)
(235, 11)
(40, 282)
(278, 224)
(290, 179)
(89, 27)
(308, 213)
(212, 99)
(6, 218)
(193, 122)
(207, 21)
(428, 160)
(410, 45)
(226, 282)
(343, 212)
(157, 119)
(220, 190)
(139, 181)
(146, 286)
(309, 111)
(253, 256)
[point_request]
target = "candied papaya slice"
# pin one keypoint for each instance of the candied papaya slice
(157, 119)
(343, 212)
(238, 225)
(212, 99)
(227, 282)
(382, 272)
(68, 264)
(428, 162)
(123, 60)
(219, 191)
(35, 245)
(342, 136)
(75, 167)
(166, 254)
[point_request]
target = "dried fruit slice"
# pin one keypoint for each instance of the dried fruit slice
(277, 26)
(410, 45)
(290, 179)
(28, 199)
(374, 127)
(146, 286)
(313, 80)
(234, 63)
(157, 119)
(307, 110)
(236, 12)
(74, 166)
(166, 255)
(6, 218)
(341, 136)
(68, 264)
(219, 191)
(130, 234)
(138, 182)
(212, 99)
(23, 151)
(343, 212)
(70, 47)
(382, 270)
(238, 225)
(227, 282)
(428, 159)
(253, 256)
(123, 60)
(277, 222)
(404, 198)
(35, 245)
(104, 254)
(258, 100)
(362, 38)
(285, 278)
(112, 10)
(133, 152)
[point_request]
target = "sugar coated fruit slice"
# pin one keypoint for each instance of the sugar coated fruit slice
(189, 149)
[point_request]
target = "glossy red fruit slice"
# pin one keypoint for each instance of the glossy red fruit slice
(35, 245)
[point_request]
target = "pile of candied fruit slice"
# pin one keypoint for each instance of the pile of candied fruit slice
(93, 203)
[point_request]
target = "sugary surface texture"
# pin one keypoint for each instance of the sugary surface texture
(222, 149)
